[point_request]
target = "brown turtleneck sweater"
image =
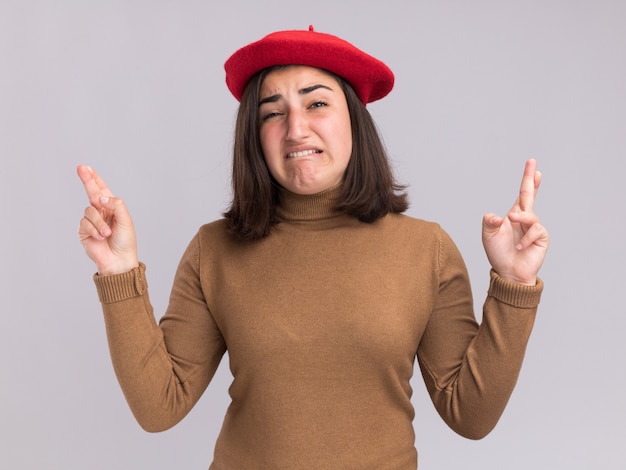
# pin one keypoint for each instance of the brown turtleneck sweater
(322, 321)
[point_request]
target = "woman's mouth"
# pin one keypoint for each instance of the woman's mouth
(302, 153)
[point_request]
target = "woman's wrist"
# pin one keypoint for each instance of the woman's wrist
(119, 268)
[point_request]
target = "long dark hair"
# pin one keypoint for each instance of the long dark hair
(369, 191)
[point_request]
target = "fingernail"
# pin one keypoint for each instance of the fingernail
(104, 199)
(519, 247)
(106, 231)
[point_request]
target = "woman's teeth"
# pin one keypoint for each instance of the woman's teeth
(303, 153)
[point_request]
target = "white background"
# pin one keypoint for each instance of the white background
(136, 89)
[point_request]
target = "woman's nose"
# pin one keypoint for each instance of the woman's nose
(297, 125)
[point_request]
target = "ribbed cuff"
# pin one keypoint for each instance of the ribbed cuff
(517, 295)
(118, 287)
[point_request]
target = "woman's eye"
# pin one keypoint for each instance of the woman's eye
(318, 104)
(267, 116)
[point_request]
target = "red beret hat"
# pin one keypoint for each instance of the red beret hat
(370, 78)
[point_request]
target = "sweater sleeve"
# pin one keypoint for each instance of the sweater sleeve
(470, 370)
(163, 368)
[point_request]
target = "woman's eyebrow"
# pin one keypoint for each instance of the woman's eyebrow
(311, 88)
(270, 99)
(303, 91)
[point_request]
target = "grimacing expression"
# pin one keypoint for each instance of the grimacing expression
(305, 130)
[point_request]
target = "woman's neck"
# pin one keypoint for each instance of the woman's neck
(303, 207)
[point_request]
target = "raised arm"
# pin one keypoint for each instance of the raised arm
(516, 245)
(106, 230)
(161, 376)
(470, 370)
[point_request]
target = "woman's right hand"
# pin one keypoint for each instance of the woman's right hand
(106, 231)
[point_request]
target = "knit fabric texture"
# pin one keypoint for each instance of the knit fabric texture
(322, 321)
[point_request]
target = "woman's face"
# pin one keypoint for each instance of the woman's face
(305, 128)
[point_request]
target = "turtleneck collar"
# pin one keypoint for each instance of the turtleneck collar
(308, 207)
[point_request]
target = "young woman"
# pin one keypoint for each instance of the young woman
(320, 289)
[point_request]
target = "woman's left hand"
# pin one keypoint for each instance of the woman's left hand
(516, 245)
